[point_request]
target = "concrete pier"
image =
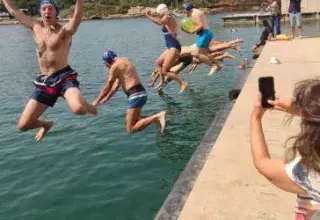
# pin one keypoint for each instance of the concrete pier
(255, 18)
(228, 187)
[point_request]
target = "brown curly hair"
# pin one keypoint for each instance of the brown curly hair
(307, 142)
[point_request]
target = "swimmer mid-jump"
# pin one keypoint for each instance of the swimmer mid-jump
(57, 78)
(186, 60)
(123, 73)
(204, 36)
(164, 62)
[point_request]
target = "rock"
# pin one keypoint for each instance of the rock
(96, 17)
(9, 22)
(141, 10)
(135, 10)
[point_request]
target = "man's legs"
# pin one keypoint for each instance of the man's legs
(159, 68)
(292, 23)
(272, 23)
(299, 23)
(136, 123)
(177, 79)
(225, 55)
(30, 119)
(154, 78)
(203, 44)
(77, 103)
(202, 55)
(278, 24)
(169, 60)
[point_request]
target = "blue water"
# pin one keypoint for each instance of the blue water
(89, 167)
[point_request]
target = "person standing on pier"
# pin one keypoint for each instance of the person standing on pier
(275, 16)
(295, 17)
(53, 42)
(265, 35)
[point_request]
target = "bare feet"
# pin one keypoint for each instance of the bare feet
(153, 73)
(193, 68)
(214, 69)
(162, 120)
(236, 47)
(228, 55)
(159, 86)
(184, 86)
(43, 131)
(237, 40)
(154, 79)
(92, 110)
(152, 84)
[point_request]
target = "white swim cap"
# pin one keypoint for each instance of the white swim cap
(162, 9)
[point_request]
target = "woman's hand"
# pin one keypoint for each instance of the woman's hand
(258, 111)
(285, 105)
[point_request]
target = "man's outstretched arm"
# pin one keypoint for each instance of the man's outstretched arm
(72, 26)
(113, 91)
(19, 15)
(107, 89)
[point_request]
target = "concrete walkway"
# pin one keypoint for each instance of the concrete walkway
(229, 187)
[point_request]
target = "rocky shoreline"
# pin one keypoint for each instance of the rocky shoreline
(134, 12)
(111, 17)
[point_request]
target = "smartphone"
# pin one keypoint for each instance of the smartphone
(266, 87)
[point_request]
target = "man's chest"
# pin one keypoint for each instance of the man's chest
(49, 40)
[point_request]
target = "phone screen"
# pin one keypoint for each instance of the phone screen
(266, 87)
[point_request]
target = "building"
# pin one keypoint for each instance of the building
(307, 6)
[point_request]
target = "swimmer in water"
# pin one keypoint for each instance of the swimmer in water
(165, 61)
(53, 42)
(123, 74)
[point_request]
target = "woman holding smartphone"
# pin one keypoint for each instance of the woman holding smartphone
(299, 171)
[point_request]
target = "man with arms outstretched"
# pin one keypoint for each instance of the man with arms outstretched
(123, 73)
(57, 78)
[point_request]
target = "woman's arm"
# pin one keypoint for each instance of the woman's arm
(153, 19)
(272, 169)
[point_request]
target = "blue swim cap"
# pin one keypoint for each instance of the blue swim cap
(188, 6)
(51, 2)
(109, 56)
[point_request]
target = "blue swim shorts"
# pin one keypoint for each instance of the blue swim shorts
(204, 39)
(137, 96)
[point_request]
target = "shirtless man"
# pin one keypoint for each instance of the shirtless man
(214, 47)
(205, 36)
(53, 43)
(123, 73)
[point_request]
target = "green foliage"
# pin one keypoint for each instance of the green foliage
(106, 7)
